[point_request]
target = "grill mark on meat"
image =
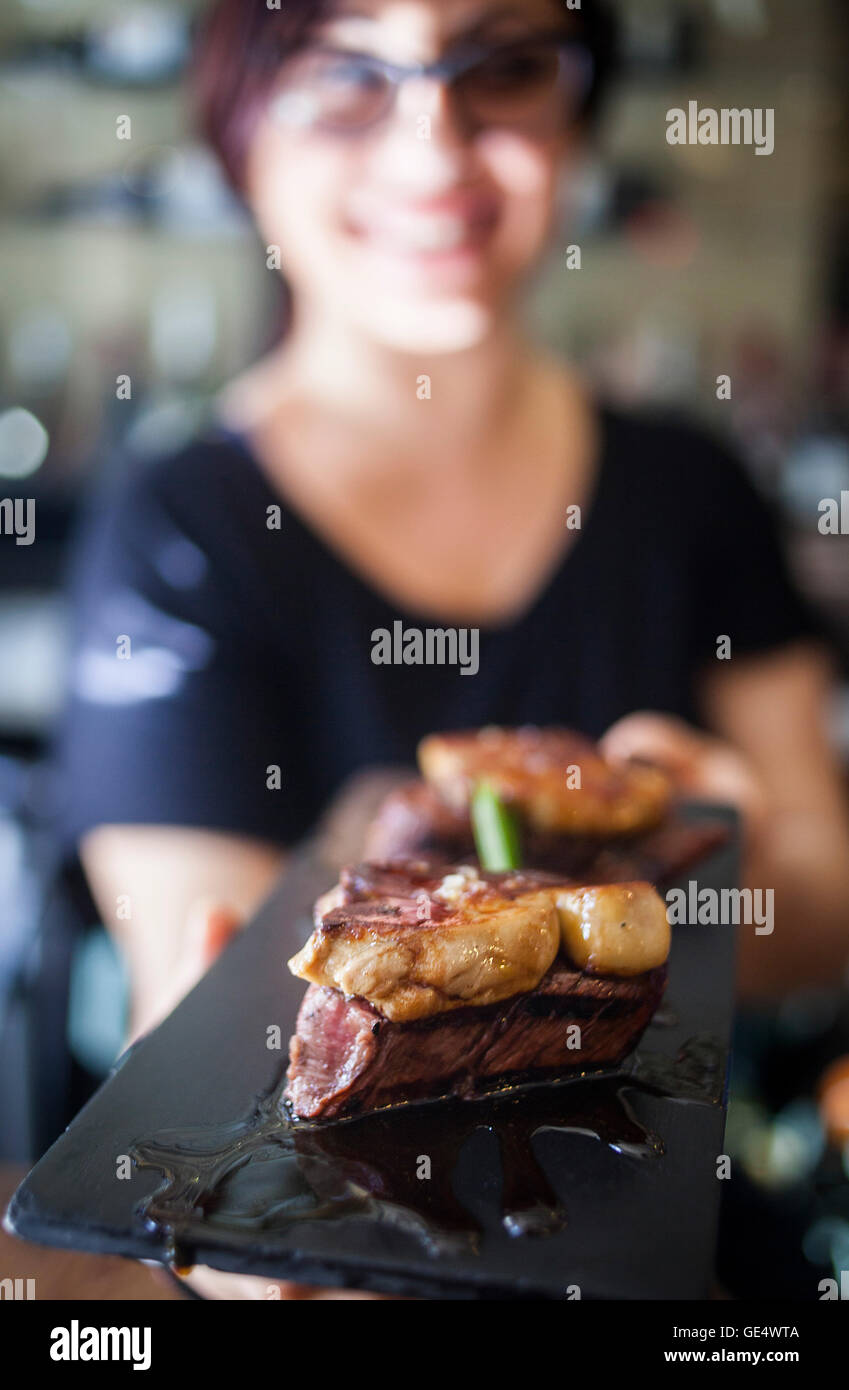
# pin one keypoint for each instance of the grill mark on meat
(360, 919)
(389, 881)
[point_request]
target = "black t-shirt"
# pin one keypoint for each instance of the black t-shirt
(211, 648)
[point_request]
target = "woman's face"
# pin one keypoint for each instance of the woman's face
(416, 228)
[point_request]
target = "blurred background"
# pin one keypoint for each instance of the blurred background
(132, 258)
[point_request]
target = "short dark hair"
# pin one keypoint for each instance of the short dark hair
(243, 43)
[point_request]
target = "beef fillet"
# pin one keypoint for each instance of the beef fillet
(346, 1057)
(412, 821)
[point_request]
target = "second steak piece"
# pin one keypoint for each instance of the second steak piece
(347, 1058)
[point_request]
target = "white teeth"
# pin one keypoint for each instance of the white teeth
(431, 234)
(436, 236)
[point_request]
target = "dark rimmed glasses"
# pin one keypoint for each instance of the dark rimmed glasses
(537, 85)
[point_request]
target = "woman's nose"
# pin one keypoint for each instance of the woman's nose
(425, 143)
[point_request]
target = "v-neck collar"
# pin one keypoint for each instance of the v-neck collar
(565, 565)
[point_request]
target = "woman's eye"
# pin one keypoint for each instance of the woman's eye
(344, 72)
(514, 70)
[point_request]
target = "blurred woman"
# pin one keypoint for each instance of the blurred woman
(408, 453)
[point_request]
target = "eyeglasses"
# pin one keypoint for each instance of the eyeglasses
(537, 85)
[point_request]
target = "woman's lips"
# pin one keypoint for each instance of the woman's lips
(427, 235)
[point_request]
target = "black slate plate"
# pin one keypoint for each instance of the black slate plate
(614, 1176)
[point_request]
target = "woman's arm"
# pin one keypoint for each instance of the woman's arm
(171, 898)
(776, 762)
(776, 711)
(176, 881)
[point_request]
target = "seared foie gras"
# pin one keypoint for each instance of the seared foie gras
(556, 779)
(614, 928)
(464, 940)
(416, 940)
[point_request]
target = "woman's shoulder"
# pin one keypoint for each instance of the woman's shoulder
(669, 462)
(670, 442)
(202, 504)
(206, 471)
(208, 486)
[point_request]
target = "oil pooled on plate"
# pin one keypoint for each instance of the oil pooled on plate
(261, 1174)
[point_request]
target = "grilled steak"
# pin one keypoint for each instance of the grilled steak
(432, 979)
(413, 821)
(347, 1058)
(619, 824)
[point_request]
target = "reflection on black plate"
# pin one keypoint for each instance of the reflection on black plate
(265, 1172)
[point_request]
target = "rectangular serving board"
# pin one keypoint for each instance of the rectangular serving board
(634, 1227)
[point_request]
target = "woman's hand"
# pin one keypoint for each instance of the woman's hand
(210, 928)
(216, 1284)
(778, 767)
(698, 764)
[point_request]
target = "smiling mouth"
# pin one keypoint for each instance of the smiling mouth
(427, 235)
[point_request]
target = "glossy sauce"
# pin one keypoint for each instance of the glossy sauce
(265, 1172)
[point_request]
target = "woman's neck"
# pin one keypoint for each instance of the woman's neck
(448, 407)
(421, 496)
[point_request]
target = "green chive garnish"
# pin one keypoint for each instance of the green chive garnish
(496, 831)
